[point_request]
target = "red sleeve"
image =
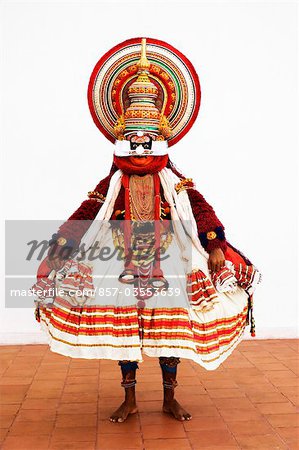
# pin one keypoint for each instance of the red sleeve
(78, 223)
(210, 229)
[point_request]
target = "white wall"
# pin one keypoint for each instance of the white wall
(241, 151)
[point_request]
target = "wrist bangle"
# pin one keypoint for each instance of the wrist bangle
(61, 241)
(211, 235)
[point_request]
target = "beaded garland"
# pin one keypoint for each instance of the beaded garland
(142, 197)
(95, 195)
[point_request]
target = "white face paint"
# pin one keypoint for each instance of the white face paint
(139, 150)
(140, 133)
(123, 148)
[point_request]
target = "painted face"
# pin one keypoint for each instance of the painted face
(140, 165)
(141, 161)
(141, 144)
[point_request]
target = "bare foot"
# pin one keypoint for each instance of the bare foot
(173, 407)
(123, 411)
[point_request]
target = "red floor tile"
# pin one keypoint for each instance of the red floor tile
(152, 418)
(77, 408)
(290, 435)
(76, 420)
(23, 428)
(3, 433)
(276, 408)
(150, 395)
(233, 414)
(283, 420)
(72, 445)
(26, 443)
(250, 427)
(157, 431)
(205, 423)
(266, 397)
(132, 425)
(261, 442)
(33, 415)
(205, 438)
(89, 397)
(234, 403)
(75, 433)
(9, 409)
(225, 393)
(44, 393)
(220, 384)
(6, 420)
(77, 372)
(16, 381)
(194, 400)
(119, 441)
(167, 444)
(82, 379)
(51, 402)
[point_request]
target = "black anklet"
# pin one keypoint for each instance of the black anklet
(169, 364)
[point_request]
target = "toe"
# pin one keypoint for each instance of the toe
(179, 417)
(114, 419)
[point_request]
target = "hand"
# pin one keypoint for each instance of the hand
(216, 260)
(54, 261)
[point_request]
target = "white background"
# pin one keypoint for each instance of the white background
(241, 150)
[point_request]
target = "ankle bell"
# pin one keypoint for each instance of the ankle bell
(128, 383)
(170, 384)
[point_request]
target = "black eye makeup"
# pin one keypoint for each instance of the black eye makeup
(145, 145)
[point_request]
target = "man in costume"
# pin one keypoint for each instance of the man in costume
(192, 305)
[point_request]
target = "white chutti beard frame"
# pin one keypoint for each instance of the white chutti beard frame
(123, 148)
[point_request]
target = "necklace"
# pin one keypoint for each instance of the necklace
(142, 197)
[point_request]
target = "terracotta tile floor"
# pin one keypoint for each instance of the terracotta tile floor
(52, 402)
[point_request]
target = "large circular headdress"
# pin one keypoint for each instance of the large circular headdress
(171, 85)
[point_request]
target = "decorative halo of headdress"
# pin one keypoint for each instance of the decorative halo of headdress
(144, 85)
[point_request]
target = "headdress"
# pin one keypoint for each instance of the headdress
(144, 85)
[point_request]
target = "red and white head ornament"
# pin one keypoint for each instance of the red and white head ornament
(144, 90)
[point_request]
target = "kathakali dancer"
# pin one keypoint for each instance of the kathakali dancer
(179, 288)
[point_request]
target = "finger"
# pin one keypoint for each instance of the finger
(57, 264)
(51, 265)
(209, 264)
